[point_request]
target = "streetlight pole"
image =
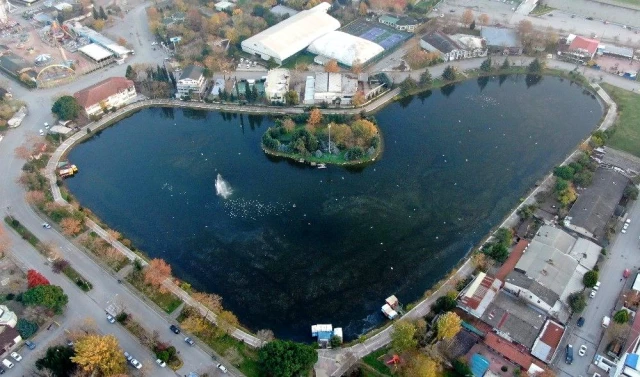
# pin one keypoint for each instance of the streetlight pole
(329, 126)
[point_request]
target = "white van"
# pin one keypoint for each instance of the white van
(7, 363)
(605, 321)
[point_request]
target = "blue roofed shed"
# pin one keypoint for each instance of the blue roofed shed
(631, 360)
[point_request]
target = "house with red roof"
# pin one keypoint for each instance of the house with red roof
(582, 49)
(108, 94)
(546, 345)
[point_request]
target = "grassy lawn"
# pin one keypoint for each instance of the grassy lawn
(167, 301)
(75, 276)
(300, 58)
(541, 9)
(248, 365)
(627, 132)
(373, 360)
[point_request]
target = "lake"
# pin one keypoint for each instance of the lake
(291, 245)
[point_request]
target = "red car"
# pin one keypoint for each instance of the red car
(626, 273)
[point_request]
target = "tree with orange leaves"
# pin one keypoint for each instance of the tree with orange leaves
(157, 272)
(315, 117)
(332, 66)
(71, 226)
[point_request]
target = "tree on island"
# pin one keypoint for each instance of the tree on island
(66, 108)
(281, 358)
(449, 73)
(315, 117)
(486, 65)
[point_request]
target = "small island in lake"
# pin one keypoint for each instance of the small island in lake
(329, 139)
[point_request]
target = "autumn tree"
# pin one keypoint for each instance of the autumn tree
(227, 321)
(289, 125)
(22, 152)
(448, 325)
(210, 301)
(421, 365)
(195, 323)
(35, 197)
(356, 67)
(157, 272)
(402, 337)
(315, 117)
(358, 99)
(99, 354)
(332, 66)
(34, 279)
(483, 19)
(70, 226)
(467, 17)
(363, 9)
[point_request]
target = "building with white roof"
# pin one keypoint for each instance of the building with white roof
(347, 49)
(277, 84)
(334, 88)
(479, 294)
(223, 5)
(292, 35)
(309, 90)
(96, 53)
(97, 38)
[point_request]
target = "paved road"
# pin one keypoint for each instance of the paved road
(624, 253)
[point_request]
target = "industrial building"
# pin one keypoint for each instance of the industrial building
(277, 84)
(292, 35)
(502, 40)
(330, 88)
(345, 48)
(101, 40)
(96, 53)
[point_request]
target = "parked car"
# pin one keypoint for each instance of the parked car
(627, 221)
(626, 273)
(568, 357)
(583, 350)
(597, 286)
(30, 345)
(580, 322)
(222, 368)
(41, 132)
(127, 356)
(161, 363)
(175, 329)
(46, 225)
(592, 294)
(136, 363)
(189, 341)
(16, 356)
(110, 318)
(7, 363)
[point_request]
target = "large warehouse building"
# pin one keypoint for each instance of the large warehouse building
(347, 49)
(291, 35)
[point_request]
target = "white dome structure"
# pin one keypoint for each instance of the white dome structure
(347, 49)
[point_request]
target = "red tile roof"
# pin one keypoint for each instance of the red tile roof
(552, 334)
(513, 259)
(508, 350)
(101, 91)
(634, 334)
(583, 43)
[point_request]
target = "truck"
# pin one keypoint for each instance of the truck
(606, 321)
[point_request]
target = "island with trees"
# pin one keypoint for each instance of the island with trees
(328, 139)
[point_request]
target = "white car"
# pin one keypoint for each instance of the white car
(136, 363)
(46, 225)
(16, 356)
(625, 226)
(592, 294)
(41, 132)
(627, 221)
(623, 231)
(583, 350)
(161, 363)
(154, 43)
(222, 368)
(110, 318)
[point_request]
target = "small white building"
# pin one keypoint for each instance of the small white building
(113, 92)
(7, 317)
(191, 82)
(334, 88)
(223, 5)
(277, 84)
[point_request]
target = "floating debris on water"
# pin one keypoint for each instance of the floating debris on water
(252, 209)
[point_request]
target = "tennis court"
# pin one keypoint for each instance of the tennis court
(383, 35)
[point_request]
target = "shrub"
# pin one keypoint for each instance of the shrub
(577, 301)
(590, 279)
(59, 265)
(122, 317)
(26, 328)
(621, 316)
(10, 296)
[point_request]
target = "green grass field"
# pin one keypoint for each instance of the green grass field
(627, 132)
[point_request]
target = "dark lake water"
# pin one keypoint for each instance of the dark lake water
(294, 246)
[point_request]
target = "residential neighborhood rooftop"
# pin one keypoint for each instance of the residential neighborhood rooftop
(98, 92)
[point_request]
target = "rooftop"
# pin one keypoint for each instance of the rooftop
(192, 72)
(545, 346)
(441, 41)
(347, 49)
(597, 203)
(514, 319)
(497, 36)
(626, 52)
(512, 260)
(582, 43)
(101, 91)
(508, 350)
(477, 297)
(281, 10)
(95, 52)
(521, 280)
